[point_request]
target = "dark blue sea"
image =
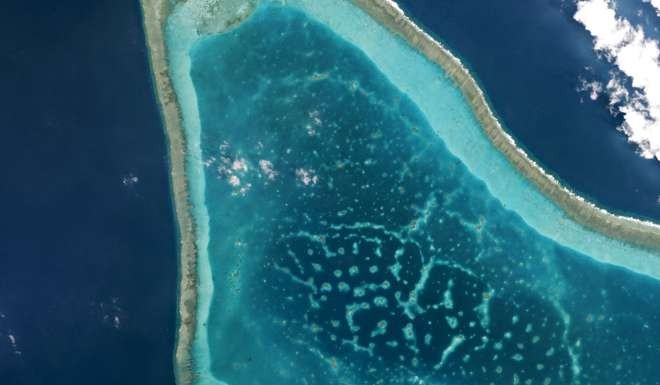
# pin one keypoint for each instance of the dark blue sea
(528, 56)
(87, 235)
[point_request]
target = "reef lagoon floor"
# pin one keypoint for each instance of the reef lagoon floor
(350, 211)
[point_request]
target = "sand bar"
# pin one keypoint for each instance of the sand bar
(155, 14)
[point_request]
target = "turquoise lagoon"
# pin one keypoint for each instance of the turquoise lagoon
(356, 227)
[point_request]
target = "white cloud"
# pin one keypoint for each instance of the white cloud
(655, 4)
(637, 57)
(617, 91)
(267, 168)
(594, 88)
(307, 177)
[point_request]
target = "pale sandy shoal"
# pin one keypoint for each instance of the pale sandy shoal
(155, 14)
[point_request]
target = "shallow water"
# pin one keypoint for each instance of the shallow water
(347, 245)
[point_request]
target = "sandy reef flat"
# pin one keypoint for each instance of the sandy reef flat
(155, 13)
(642, 234)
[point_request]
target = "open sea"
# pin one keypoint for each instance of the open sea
(529, 56)
(87, 235)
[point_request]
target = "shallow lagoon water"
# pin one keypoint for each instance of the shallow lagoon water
(348, 245)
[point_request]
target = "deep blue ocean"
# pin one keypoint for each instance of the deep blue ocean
(87, 235)
(348, 245)
(528, 57)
